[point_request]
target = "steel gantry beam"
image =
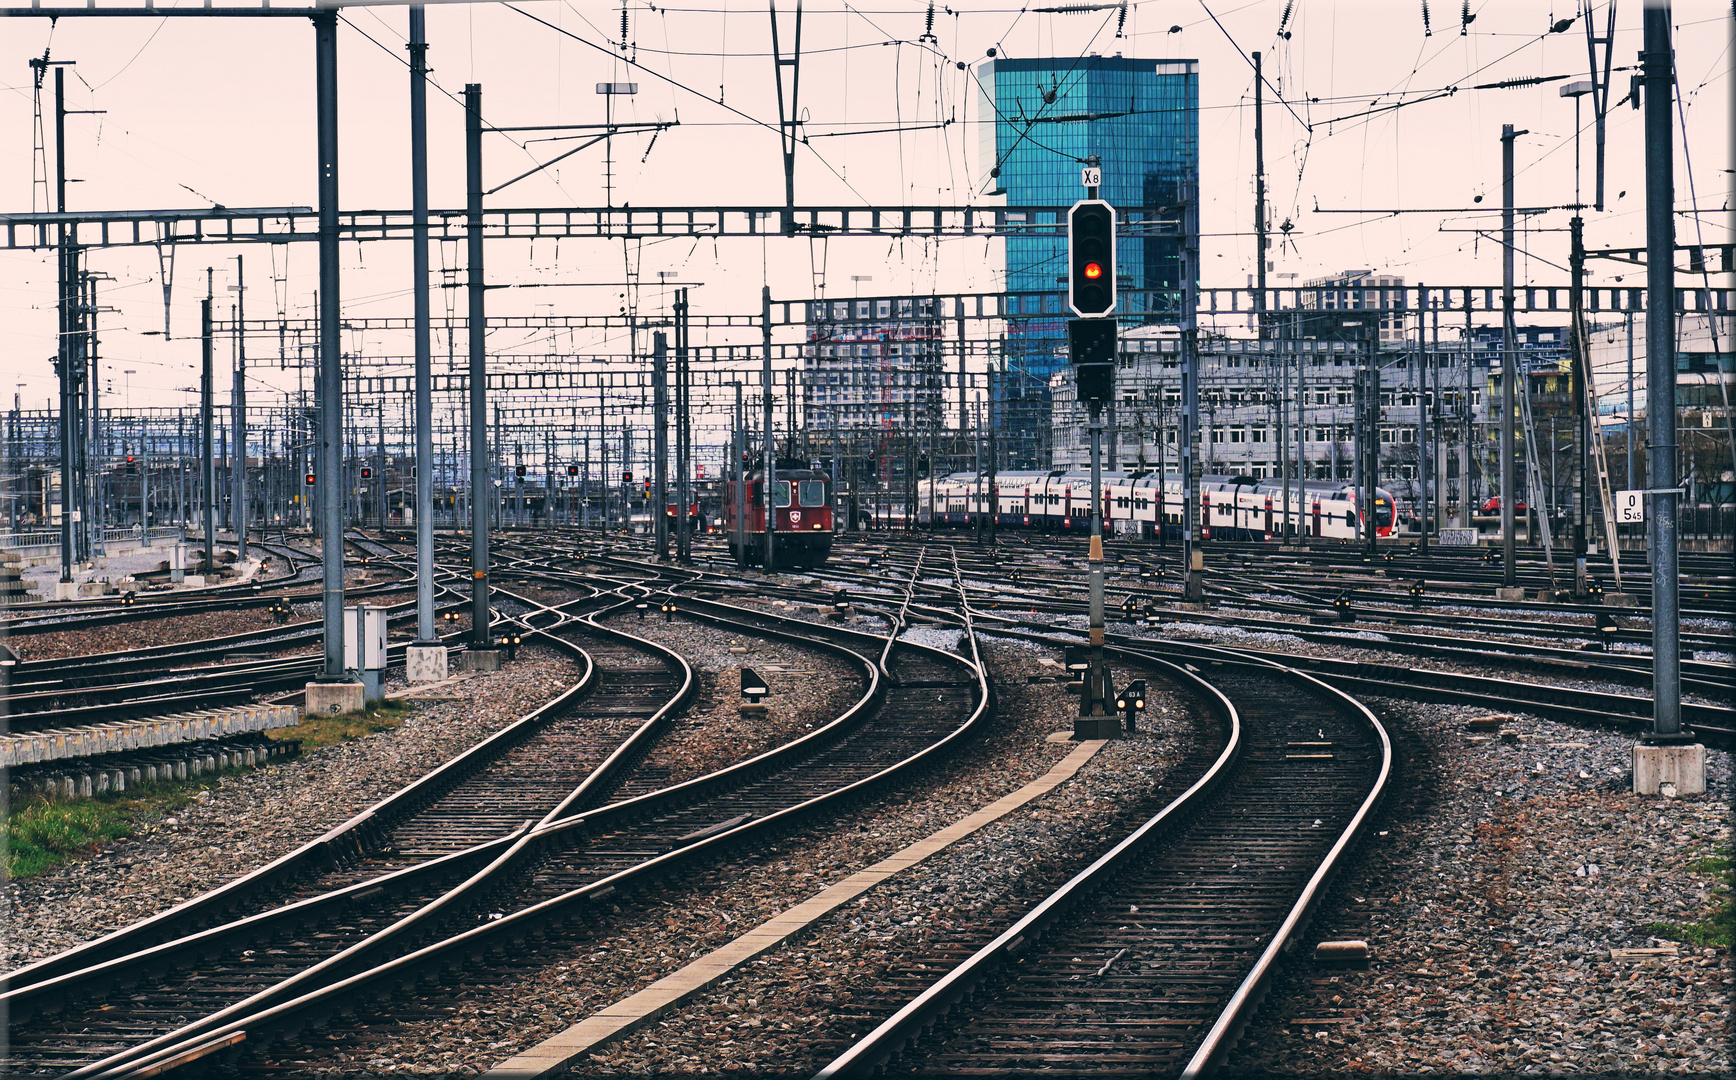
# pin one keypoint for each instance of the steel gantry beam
(1030, 307)
(280, 225)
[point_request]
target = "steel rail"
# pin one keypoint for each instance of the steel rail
(879, 1046)
(336, 845)
(408, 969)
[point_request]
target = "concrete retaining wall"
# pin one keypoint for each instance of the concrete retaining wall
(29, 748)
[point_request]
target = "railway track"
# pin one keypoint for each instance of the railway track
(291, 919)
(1148, 962)
(919, 703)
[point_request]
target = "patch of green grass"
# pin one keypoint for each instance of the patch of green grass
(41, 832)
(316, 731)
(1719, 930)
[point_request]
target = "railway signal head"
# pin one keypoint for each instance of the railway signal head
(310, 479)
(1131, 702)
(572, 470)
(1416, 589)
(668, 611)
(518, 471)
(1091, 348)
(367, 472)
(127, 599)
(1091, 258)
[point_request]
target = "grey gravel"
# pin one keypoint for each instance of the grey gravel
(793, 1008)
(1492, 902)
(808, 688)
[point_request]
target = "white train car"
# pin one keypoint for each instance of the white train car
(1231, 508)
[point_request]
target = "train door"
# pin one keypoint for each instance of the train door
(1268, 517)
(1316, 524)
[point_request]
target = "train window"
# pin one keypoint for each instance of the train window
(1350, 518)
(781, 493)
(813, 493)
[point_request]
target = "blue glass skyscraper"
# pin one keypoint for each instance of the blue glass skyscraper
(1140, 119)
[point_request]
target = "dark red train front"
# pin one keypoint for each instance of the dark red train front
(801, 517)
(695, 517)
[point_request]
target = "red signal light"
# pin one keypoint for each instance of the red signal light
(1093, 270)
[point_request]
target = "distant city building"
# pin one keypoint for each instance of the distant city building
(1348, 296)
(869, 364)
(1140, 118)
(1241, 383)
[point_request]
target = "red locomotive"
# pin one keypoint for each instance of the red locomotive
(801, 517)
(695, 518)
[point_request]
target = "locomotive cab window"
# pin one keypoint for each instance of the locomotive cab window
(813, 492)
(781, 493)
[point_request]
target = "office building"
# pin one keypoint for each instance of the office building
(1140, 119)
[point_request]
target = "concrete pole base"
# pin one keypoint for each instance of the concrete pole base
(425, 663)
(334, 698)
(480, 660)
(1510, 592)
(1620, 599)
(1669, 769)
(1097, 727)
(194, 581)
(66, 590)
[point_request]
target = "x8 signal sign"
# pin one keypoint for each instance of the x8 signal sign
(1091, 258)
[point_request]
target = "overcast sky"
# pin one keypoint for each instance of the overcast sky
(202, 110)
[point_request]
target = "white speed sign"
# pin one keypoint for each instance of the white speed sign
(1630, 506)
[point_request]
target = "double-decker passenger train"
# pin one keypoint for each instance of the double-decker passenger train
(801, 517)
(1231, 507)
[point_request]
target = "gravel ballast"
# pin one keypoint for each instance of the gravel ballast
(809, 688)
(252, 818)
(796, 1006)
(1492, 892)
